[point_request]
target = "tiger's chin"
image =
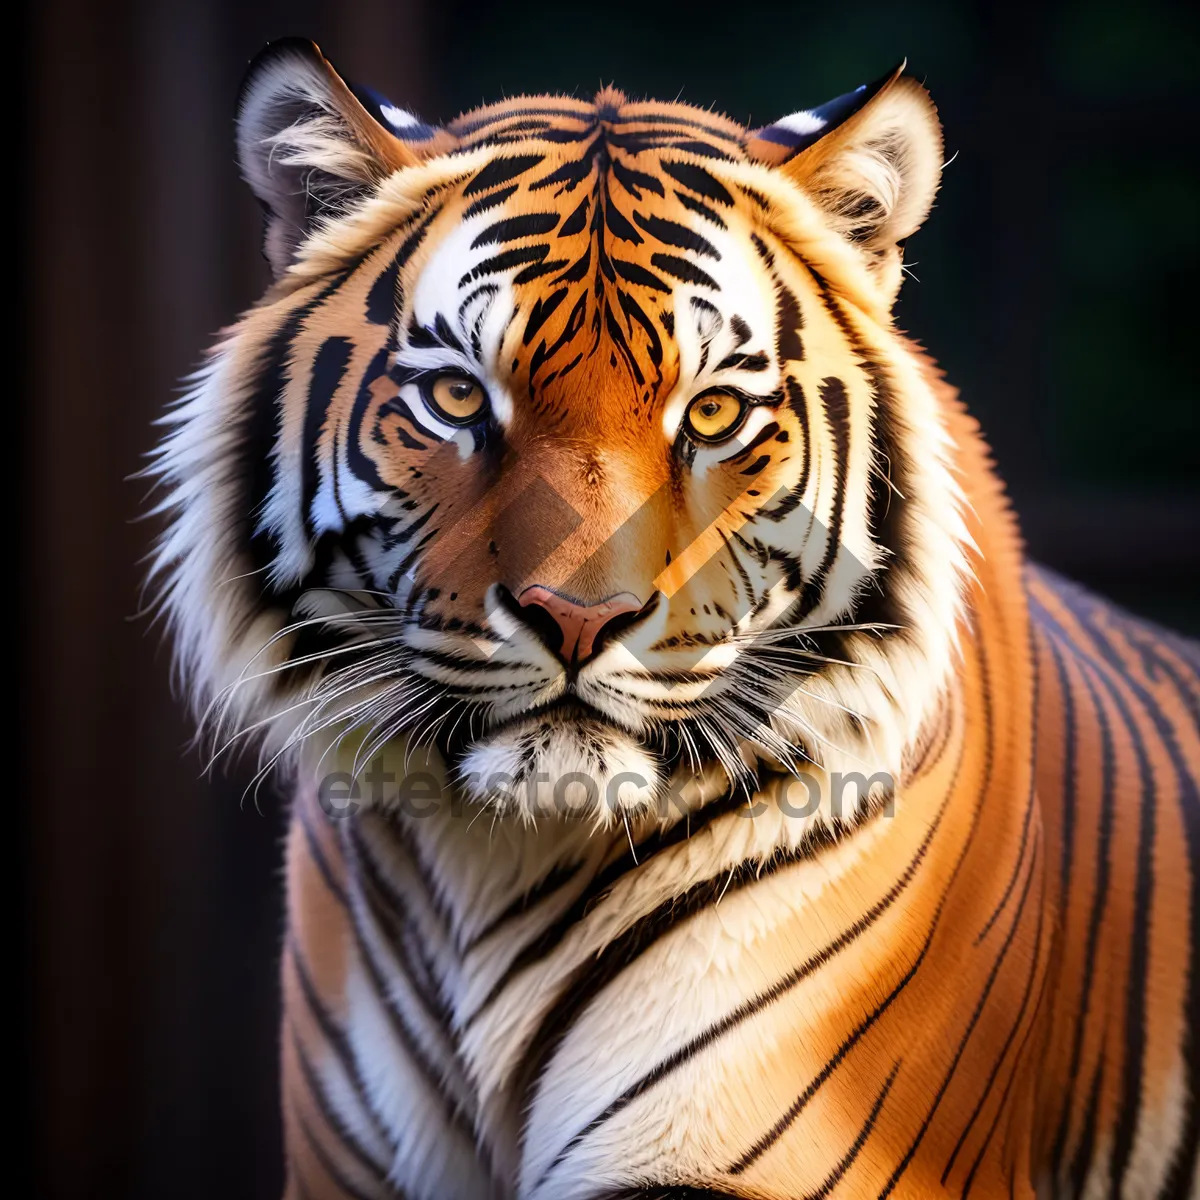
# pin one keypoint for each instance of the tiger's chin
(554, 766)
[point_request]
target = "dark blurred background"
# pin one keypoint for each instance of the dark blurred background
(1056, 284)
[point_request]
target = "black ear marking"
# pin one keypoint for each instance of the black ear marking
(870, 160)
(789, 136)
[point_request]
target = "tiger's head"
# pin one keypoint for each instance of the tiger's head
(573, 438)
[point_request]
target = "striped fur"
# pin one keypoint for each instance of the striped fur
(612, 928)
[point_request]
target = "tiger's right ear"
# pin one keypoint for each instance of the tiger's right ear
(870, 160)
(309, 144)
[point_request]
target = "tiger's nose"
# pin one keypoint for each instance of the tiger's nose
(580, 625)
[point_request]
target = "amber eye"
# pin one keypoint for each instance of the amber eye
(456, 399)
(714, 416)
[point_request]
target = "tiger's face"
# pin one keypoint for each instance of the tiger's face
(573, 439)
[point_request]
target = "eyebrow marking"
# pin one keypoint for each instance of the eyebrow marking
(744, 362)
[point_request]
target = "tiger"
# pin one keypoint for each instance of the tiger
(695, 791)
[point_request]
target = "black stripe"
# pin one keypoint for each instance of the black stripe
(489, 201)
(383, 298)
(1030, 805)
(751, 1007)
(836, 407)
(576, 221)
(790, 321)
(398, 905)
(331, 1117)
(634, 312)
(1016, 1073)
(593, 976)
(635, 182)
(671, 233)
(683, 270)
(1008, 1041)
(798, 403)
(389, 910)
(618, 224)
(603, 882)
(571, 173)
(336, 1038)
(254, 462)
(637, 274)
(543, 307)
(1082, 1161)
(326, 375)
(697, 179)
(318, 856)
(554, 881)
(834, 1177)
(361, 466)
(462, 128)
(698, 206)
(506, 261)
(538, 270)
(501, 170)
(743, 362)
(765, 434)
(704, 149)
(906, 1161)
(682, 122)
(1099, 898)
(1070, 771)
(1138, 966)
(783, 1124)
(512, 228)
(331, 1169)
(453, 1112)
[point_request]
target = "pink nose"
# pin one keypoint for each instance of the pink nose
(580, 623)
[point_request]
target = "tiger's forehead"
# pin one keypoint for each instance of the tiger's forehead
(585, 253)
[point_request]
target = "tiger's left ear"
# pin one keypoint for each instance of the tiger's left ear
(310, 144)
(871, 161)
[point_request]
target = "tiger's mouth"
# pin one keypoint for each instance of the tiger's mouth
(566, 709)
(560, 759)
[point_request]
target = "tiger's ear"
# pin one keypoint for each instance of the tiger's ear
(309, 143)
(871, 160)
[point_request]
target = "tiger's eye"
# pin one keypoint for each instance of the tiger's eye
(457, 398)
(714, 416)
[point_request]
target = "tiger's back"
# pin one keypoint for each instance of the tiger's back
(1118, 760)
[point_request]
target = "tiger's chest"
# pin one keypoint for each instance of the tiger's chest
(735, 1006)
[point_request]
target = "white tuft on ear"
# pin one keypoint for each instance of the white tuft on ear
(306, 145)
(871, 160)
